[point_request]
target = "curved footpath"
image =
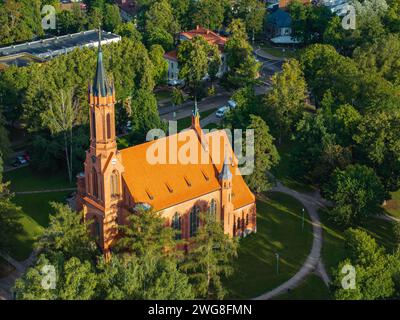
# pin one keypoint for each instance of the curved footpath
(313, 262)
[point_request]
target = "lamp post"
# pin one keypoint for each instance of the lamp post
(277, 263)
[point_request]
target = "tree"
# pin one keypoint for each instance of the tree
(396, 232)
(10, 215)
(243, 68)
(156, 55)
(129, 30)
(252, 12)
(146, 234)
(112, 18)
(392, 16)
(208, 13)
(265, 155)
(378, 146)
(373, 270)
(209, 259)
(309, 22)
(357, 194)
(160, 26)
(61, 118)
(285, 102)
(195, 58)
(177, 96)
(66, 235)
(73, 280)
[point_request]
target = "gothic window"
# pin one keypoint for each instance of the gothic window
(176, 224)
(194, 220)
(238, 223)
(96, 227)
(94, 124)
(234, 226)
(213, 208)
(114, 184)
(108, 126)
(247, 219)
(95, 185)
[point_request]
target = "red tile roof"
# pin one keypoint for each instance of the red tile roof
(165, 185)
(171, 55)
(210, 36)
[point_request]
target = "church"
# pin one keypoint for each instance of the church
(117, 183)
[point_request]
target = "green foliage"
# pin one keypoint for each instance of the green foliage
(374, 269)
(209, 259)
(265, 155)
(243, 68)
(196, 57)
(112, 18)
(156, 55)
(285, 101)
(396, 232)
(378, 146)
(161, 25)
(356, 192)
(129, 30)
(66, 235)
(208, 13)
(177, 96)
(309, 22)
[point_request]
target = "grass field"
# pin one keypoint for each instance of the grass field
(393, 206)
(280, 52)
(26, 179)
(313, 288)
(333, 249)
(279, 231)
(36, 207)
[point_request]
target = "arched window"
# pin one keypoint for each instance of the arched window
(94, 124)
(234, 227)
(247, 219)
(194, 220)
(108, 126)
(238, 223)
(95, 185)
(176, 224)
(96, 228)
(114, 184)
(213, 208)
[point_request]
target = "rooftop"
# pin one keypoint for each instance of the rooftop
(210, 36)
(47, 48)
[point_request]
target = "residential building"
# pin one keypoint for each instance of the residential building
(210, 36)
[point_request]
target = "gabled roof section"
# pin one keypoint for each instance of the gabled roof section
(165, 185)
(210, 36)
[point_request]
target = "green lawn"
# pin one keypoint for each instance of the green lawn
(283, 170)
(393, 206)
(313, 288)
(26, 179)
(186, 122)
(35, 207)
(333, 249)
(280, 52)
(36, 210)
(278, 231)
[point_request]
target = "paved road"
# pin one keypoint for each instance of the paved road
(7, 283)
(313, 262)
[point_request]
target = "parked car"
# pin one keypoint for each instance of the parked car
(221, 111)
(19, 161)
(175, 82)
(232, 104)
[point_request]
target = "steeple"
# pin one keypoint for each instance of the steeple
(196, 117)
(225, 173)
(101, 87)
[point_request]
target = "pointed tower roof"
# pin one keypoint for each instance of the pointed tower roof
(225, 173)
(101, 87)
(196, 112)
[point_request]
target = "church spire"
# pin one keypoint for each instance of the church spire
(101, 87)
(225, 173)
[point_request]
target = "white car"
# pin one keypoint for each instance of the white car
(221, 111)
(175, 82)
(232, 104)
